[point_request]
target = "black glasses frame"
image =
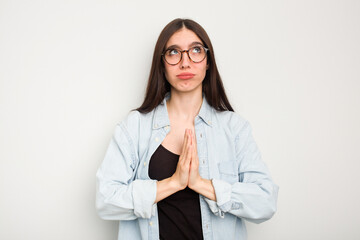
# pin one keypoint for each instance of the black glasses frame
(187, 51)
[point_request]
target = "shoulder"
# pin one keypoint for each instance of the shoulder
(231, 120)
(132, 118)
(135, 122)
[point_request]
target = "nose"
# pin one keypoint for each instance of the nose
(185, 61)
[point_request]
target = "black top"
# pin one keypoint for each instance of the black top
(179, 214)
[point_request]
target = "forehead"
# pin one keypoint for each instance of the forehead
(183, 38)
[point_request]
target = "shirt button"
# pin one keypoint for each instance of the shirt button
(157, 139)
(150, 223)
(203, 161)
(201, 135)
(156, 125)
(144, 164)
(167, 127)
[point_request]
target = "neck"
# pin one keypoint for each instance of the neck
(184, 106)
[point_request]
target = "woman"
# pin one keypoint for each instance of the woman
(184, 165)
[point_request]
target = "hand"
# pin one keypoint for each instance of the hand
(181, 175)
(187, 172)
(194, 177)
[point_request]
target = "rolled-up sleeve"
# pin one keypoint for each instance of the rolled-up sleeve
(118, 195)
(254, 197)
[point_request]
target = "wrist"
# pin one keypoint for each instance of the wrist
(175, 184)
(196, 185)
(204, 187)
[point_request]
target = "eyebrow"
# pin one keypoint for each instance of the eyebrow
(191, 45)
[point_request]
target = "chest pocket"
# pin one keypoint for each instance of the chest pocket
(228, 171)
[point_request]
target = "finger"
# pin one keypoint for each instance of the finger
(188, 155)
(185, 142)
(194, 143)
(194, 157)
(188, 149)
(191, 136)
(194, 151)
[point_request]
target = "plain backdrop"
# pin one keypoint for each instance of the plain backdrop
(70, 70)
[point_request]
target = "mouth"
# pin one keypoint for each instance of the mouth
(185, 75)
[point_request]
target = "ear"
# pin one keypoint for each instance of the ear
(207, 66)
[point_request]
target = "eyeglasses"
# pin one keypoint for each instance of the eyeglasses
(196, 54)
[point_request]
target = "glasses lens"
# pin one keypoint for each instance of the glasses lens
(197, 54)
(172, 56)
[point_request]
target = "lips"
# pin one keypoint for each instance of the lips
(185, 75)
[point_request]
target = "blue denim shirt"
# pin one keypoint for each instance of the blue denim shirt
(228, 155)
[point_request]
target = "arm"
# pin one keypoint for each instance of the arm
(204, 187)
(254, 197)
(118, 195)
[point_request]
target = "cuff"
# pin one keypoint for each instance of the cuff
(214, 208)
(223, 193)
(223, 202)
(144, 195)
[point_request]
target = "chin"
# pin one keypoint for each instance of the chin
(187, 89)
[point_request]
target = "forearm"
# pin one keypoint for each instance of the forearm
(115, 201)
(205, 188)
(165, 188)
(255, 202)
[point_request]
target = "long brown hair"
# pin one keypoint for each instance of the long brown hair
(158, 86)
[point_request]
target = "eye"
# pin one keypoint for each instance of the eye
(173, 52)
(197, 49)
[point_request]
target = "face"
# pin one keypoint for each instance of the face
(186, 76)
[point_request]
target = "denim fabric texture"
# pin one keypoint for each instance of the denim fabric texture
(228, 155)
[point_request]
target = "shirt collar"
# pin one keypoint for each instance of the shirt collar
(205, 112)
(161, 117)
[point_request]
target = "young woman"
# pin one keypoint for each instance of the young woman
(184, 165)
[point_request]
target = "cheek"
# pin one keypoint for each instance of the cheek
(170, 72)
(166, 71)
(203, 69)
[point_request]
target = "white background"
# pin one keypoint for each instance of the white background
(70, 70)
